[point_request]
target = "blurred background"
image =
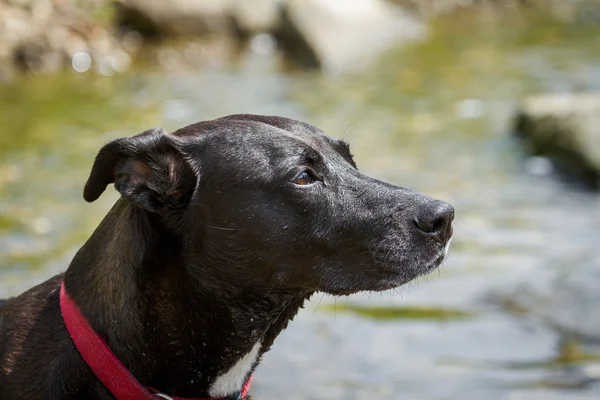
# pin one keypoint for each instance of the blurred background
(491, 105)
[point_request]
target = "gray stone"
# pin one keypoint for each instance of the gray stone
(572, 10)
(564, 128)
(176, 17)
(344, 36)
(337, 36)
(200, 17)
(257, 16)
(43, 35)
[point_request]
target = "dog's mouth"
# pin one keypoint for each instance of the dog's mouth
(395, 277)
(437, 260)
(342, 292)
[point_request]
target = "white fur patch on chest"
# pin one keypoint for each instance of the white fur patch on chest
(233, 380)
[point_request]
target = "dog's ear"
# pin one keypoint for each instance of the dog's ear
(147, 169)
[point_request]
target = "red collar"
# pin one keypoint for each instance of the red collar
(105, 365)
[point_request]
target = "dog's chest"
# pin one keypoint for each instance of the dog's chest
(233, 380)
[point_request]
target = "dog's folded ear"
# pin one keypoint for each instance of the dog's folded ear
(147, 169)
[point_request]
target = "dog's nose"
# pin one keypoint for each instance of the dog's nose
(435, 218)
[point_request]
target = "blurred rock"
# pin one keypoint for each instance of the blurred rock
(343, 36)
(336, 36)
(563, 128)
(433, 8)
(199, 17)
(44, 35)
(175, 17)
(572, 10)
(257, 16)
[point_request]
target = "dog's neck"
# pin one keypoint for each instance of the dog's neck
(174, 332)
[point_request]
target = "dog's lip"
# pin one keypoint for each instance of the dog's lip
(342, 292)
(397, 277)
(424, 269)
(438, 259)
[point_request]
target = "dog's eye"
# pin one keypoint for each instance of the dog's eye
(304, 178)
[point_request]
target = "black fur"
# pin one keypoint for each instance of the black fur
(213, 247)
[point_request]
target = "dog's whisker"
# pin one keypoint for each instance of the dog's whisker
(335, 309)
(220, 227)
(269, 291)
(318, 304)
(346, 131)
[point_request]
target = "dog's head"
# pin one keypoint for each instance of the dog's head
(268, 202)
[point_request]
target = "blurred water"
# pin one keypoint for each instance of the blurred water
(433, 117)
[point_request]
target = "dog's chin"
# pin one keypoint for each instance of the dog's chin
(394, 278)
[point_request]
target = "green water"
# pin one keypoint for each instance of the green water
(395, 313)
(434, 116)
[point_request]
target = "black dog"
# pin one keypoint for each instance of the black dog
(223, 230)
